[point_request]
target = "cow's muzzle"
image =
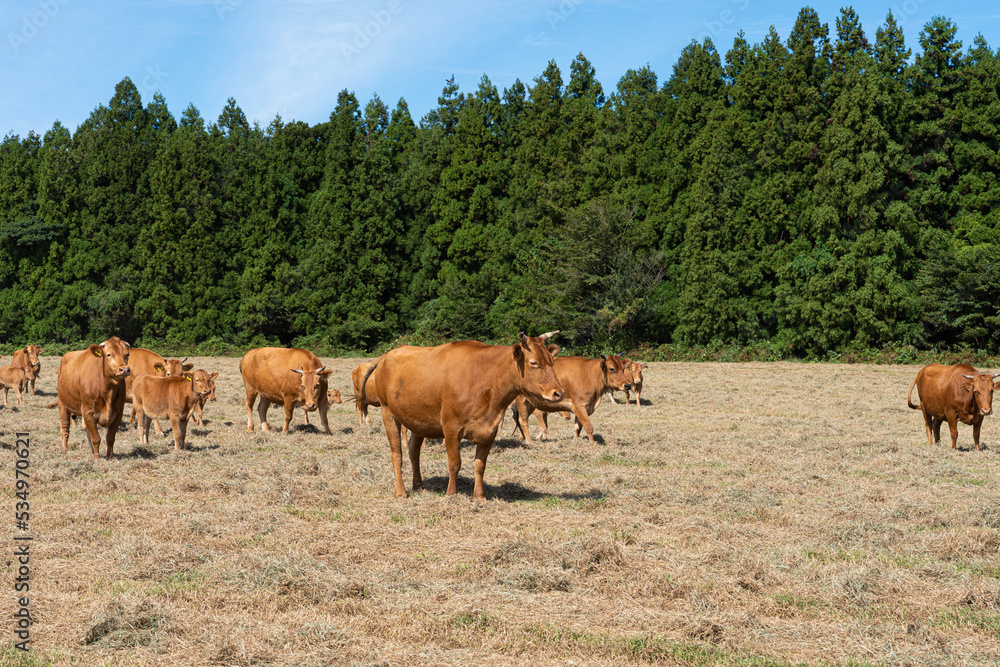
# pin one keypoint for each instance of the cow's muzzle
(626, 387)
(556, 396)
(124, 371)
(987, 411)
(310, 407)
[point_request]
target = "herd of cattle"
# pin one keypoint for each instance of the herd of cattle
(456, 391)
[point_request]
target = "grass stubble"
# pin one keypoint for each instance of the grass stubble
(746, 514)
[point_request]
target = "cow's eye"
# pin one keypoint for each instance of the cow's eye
(534, 364)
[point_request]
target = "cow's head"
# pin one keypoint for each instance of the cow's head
(33, 351)
(534, 362)
(30, 372)
(312, 384)
(176, 367)
(333, 396)
(617, 376)
(981, 387)
(637, 369)
(114, 351)
(199, 382)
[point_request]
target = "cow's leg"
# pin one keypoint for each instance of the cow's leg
(143, 426)
(112, 433)
(93, 434)
(5, 390)
(975, 431)
(936, 428)
(175, 424)
(248, 404)
(482, 451)
(19, 392)
(523, 410)
(64, 417)
(324, 409)
(451, 447)
(583, 419)
(262, 413)
(395, 450)
(953, 427)
(32, 384)
(543, 424)
(928, 425)
(197, 408)
(414, 443)
(305, 415)
(132, 419)
(289, 412)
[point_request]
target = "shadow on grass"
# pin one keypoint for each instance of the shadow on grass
(139, 452)
(508, 491)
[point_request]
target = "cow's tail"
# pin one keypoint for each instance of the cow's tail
(914, 384)
(53, 405)
(364, 380)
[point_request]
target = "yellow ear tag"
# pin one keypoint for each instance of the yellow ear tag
(97, 353)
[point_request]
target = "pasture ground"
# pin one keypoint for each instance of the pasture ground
(747, 514)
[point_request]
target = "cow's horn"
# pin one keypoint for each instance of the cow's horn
(996, 375)
(971, 377)
(102, 344)
(321, 369)
(184, 359)
(546, 336)
(523, 338)
(294, 370)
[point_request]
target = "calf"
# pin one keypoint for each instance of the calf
(143, 362)
(332, 396)
(584, 381)
(210, 379)
(637, 369)
(28, 356)
(17, 378)
(171, 398)
(954, 394)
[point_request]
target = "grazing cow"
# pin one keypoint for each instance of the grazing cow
(585, 381)
(16, 378)
(91, 385)
(210, 396)
(173, 398)
(292, 377)
(457, 391)
(954, 394)
(637, 369)
(28, 356)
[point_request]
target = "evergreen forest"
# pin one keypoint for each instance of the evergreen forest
(821, 192)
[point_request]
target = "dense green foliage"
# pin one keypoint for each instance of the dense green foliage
(816, 195)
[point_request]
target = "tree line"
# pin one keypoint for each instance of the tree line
(820, 193)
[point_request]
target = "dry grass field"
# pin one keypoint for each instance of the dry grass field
(746, 514)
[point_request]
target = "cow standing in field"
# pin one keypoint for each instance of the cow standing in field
(371, 392)
(91, 385)
(16, 378)
(457, 391)
(143, 362)
(173, 398)
(637, 369)
(332, 396)
(28, 356)
(209, 379)
(292, 377)
(585, 381)
(954, 394)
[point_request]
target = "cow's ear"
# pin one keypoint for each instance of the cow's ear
(554, 349)
(213, 376)
(326, 372)
(518, 352)
(159, 368)
(95, 350)
(189, 377)
(40, 350)
(643, 365)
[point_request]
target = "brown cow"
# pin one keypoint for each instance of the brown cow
(457, 391)
(210, 396)
(637, 369)
(16, 378)
(28, 356)
(954, 394)
(176, 367)
(332, 396)
(289, 376)
(585, 381)
(91, 385)
(171, 398)
(143, 362)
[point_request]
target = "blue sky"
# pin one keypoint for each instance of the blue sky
(61, 58)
